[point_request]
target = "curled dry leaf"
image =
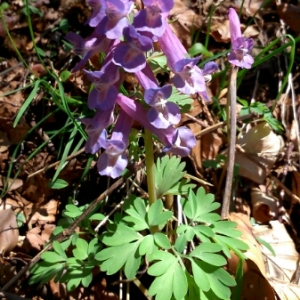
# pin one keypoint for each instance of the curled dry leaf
(284, 290)
(254, 285)
(250, 168)
(264, 207)
(9, 232)
(284, 264)
(260, 144)
(254, 251)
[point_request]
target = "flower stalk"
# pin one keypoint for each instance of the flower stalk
(150, 166)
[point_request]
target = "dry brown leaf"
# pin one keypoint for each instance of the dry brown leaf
(33, 240)
(186, 20)
(260, 144)
(254, 251)
(250, 168)
(9, 232)
(255, 285)
(284, 264)
(296, 183)
(45, 213)
(13, 184)
(261, 139)
(36, 189)
(285, 291)
(290, 14)
(264, 207)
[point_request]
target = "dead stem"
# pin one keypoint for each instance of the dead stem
(231, 127)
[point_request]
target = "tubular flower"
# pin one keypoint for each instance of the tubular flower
(113, 160)
(94, 128)
(171, 137)
(152, 19)
(188, 77)
(130, 55)
(241, 46)
(162, 113)
(88, 47)
(115, 19)
(98, 12)
(105, 92)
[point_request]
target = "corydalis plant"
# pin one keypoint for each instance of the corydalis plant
(241, 46)
(127, 40)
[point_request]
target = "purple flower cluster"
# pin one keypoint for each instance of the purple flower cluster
(241, 46)
(125, 43)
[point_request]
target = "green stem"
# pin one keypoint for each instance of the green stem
(150, 166)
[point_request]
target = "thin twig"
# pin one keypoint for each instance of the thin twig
(232, 141)
(56, 163)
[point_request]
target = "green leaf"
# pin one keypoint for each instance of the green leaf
(40, 51)
(97, 217)
(168, 173)
(267, 245)
(58, 248)
(199, 48)
(146, 245)
(27, 102)
(59, 184)
(182, 100)
(73, 283)
(156, 216)
(162, 240)
(180, 243)
(87, 279)
(200, 277)
(198, 207)
(64, 75)
(94, 247)
(114, 258)
(72, 211)
(232, 243)
(170, 278)
(64, 25)
(157, 60)
(122, 235)
(52, 257)
(81, 250)
(227, 228)
(206, 252)
(43, 272)
(135, 207)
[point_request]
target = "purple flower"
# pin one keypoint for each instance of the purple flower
(241, 46)
(130, 56)
(94, 128)
(153, 18)
(114, 160)
(162, 114)
(114, 22)
(98, 12)
(184, 141)
(146, 78)
(175, 139)
(188, 77)
(207, 70)
(105, 92)
(88, 47)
